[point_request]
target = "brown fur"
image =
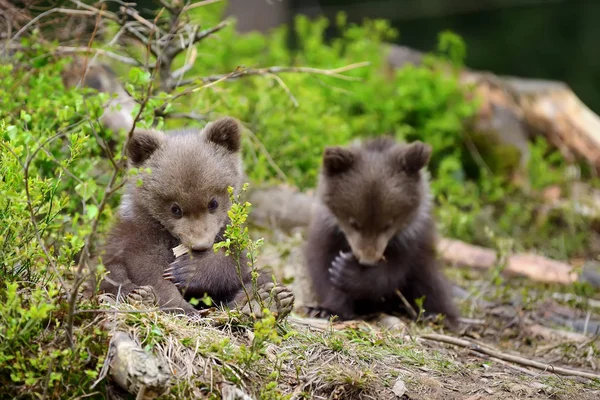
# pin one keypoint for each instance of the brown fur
(374, 206)
(188, 170)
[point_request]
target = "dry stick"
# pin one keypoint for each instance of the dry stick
(191, 115)
(123, 59)
(198, 4)
(130, 29)
(335, 72)
(215, 79)
(8, 32)
(409, 308)
(508, 357)
(267, 155)
(190, 60)
(286, 89)
(56, 10)
(135, 15)
(509, 365)
(107, 192)
(79, 278)
(175, 49)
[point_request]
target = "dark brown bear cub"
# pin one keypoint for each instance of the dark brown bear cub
(372, 233)
(181, 197)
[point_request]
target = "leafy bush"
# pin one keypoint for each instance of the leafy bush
(49, 193)
(295, 117)
(59, 187)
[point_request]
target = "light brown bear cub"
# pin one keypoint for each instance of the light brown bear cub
(182, 199)
(372, 233)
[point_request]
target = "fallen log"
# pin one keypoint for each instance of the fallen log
(519, 108)
(533, 266)
(134, 370)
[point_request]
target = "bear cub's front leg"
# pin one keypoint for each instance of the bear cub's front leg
(217, 275)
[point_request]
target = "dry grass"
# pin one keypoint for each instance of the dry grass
(315, 359)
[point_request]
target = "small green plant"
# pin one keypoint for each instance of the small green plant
(238, 243)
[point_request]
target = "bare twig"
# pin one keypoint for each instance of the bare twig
(286, 89)
(198, 4)
(135, 15)
(8, 23)
(409, 308)
(335, 72)
(508, 357)
(509, 365)
(70, 11)
(108, 191)
(190, 59)
(192, 116)
(106, 53)
(267, 155)
(176, 48)
(79, 278)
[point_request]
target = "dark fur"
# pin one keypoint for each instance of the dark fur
(189, 168)
(374, 201)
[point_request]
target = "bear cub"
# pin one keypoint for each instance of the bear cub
(372, 233)
(180, 196)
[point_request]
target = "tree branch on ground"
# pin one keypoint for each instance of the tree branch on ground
(508, 357)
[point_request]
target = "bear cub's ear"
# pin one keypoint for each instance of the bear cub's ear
(143, 144)
(414, 157)
(225, 132)
(337, 160)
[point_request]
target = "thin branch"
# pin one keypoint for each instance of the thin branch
(8, 22)
(57, 10)
(285, 88)
(198, 4)
(193, 116)
(168, 6)
(106, 53)
(108, 191)
(190, 59)
(79, 278)
(175, 49)
(268, 157)
(509, 357)
(135, 15)
(108, 14)
(129, 28)
(336, 73)
(509, 365)
(409, 308)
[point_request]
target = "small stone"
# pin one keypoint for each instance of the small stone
(399, 388)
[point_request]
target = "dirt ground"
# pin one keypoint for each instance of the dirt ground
(513, 318)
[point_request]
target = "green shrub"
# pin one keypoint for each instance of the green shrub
(48, 197)
(59, 187)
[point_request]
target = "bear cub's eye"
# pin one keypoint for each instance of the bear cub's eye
(212, 205)
(176, 210)
(354, 224)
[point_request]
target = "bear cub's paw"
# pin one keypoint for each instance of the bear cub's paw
(277, 298)
(181, 271)
(317, 312)
(345, 272)
(143, 295)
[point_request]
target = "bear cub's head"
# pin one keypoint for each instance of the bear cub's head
(185, 177)
(375, 192)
